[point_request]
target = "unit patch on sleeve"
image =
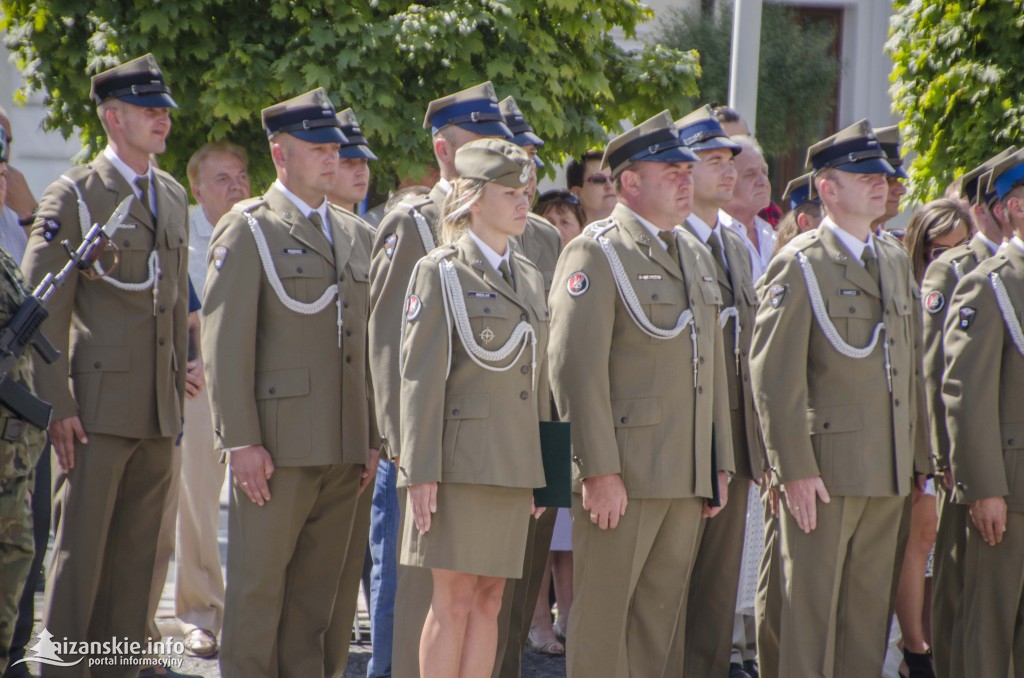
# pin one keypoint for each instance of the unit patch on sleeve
(577, 284)
(967, 316)
(776, 294)
(389, 245)
(50, 228)
(413, 307)
(220, 255)
(934, 302)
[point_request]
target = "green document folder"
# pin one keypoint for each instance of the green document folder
(556, 449)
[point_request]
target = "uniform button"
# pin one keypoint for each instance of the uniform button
(524, 369)
(273, 390)
(160, 276)
(180, 240)
(692, 302)
(887, 312)
(522, 316)
(702, 360)
(743, 353)
(298, 269)
(162, 308)
(895, 371)
(654, 297)
(127, 243)
(455, 412)
(896, 402)
(892, 342)
(161, 341)
(348, 358)
(700, 389)
(344, 304)
(746, 378)
(524, 395)
(341, 277)
(827, 425)
(853, 309)
(96, 365)
(348, 333)
(487, 309)
(1010, 442)
(623, 420)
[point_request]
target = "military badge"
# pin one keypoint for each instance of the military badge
(50, 228)
(413, 307)
(220, 255)
(849, 293)
(776, 294)
(524, 176)
(707, 278)
(389, 245)
(487, 336)
(934, 302)
(967, 316)
(577, 284)
(648, 276)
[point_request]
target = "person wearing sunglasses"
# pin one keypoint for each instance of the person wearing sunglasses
(592, 185)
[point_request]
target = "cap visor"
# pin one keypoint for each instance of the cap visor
(869, 166)
(527, 139)
(488, 129)
(715, 143)
(901, 173)
(356, 151)
(320, 135)
(538, 162)
(150, 101)
(674, 154)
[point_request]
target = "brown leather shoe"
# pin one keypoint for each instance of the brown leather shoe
(201, 643)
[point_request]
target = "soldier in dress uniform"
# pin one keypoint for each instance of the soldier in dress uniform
(889, 140)
(648, 403)
(984, 348)
(284, 344)
(118, 387)
(404, 236)
(840, 435)
(711, 609)
(474, 385)
(351, 183)
(541, 243)
(940, 279)
(20, 447)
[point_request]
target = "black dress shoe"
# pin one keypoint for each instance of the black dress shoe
(919, 664)
(750, 666)
(737, 671)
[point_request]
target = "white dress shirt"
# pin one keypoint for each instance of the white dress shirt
(854, 245)
(306, 209)
(762, 253)
(131, 177)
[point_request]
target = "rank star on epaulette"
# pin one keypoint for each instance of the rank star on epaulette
(934, 302)
(967, 316)
(389, 245)
(776, 294)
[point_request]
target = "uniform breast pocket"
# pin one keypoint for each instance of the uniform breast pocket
(302, 275)
(282, 398)
(636, 435)
(133, 249)
(465, 431)
(91, 366)
(711, 292)
(855, 317)
(661, 303)
(901, 306)
(1013, 458)
(491, 320)
(750, 295)
(356, 295)
(836, 439)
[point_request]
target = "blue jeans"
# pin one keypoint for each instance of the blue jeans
(384, 524)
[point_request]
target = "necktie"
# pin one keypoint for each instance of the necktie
(143, 183)
(871, 265)
(715, 245)
(506, 273)
(669, 238)
(314, 218)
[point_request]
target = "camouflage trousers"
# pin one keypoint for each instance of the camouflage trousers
(16, 551)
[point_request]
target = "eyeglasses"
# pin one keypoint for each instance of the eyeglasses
(598, 179)
(936, 252)
(558, 196)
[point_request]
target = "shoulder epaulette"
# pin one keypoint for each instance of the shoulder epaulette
(441, 253)
(521, 258)
(248, 205)
(801, 242)
(533, 216)
(78, 172)
(599, 228)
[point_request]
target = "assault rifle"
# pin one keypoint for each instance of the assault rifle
(23, 329)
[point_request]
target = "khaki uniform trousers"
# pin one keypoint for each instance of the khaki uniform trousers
(993, 602)
(520, 598)
(836, 588)
(284, 564)
(101, 568)
(190, 526)
(339, 633)
(768, 601)
(948, 585)
(630, 587)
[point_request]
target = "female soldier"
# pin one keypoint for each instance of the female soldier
(474, 384)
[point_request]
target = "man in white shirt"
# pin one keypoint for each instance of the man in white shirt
(753, 193)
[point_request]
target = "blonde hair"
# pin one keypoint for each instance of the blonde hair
(455, 217)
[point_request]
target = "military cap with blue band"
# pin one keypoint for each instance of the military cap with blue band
(701, 131)
(1007, 175)
(974, 184)
(653, 140)
(356, 146)
(474, 109)
(798, 192)
(523, 133)
(138, 82)
(889, 140)
(854, 149)
(309, 117)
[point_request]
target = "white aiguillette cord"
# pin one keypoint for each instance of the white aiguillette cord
(330, 294)
(1007, 311)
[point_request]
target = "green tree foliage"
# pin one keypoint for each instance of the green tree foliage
(958, 83)
(228, 59)
(797, 71)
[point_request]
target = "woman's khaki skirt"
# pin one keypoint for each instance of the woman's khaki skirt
(478, 529)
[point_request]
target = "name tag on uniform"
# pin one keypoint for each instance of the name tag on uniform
(708, 278)
(849, 293)
(127, 227)
(294, 250)
(648, 276)
(481, 295)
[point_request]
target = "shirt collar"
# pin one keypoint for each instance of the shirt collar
(302, 206)
(200, 223)
(444, 185)
(651, 228)
(125, 171)
(701, 228)
(849, 241)
(992, 246)
(492, 257)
